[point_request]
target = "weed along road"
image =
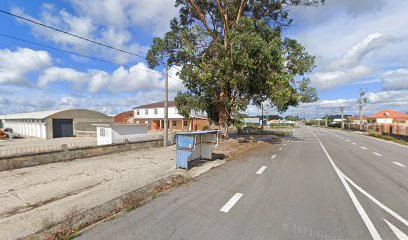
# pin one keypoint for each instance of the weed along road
(319, 185)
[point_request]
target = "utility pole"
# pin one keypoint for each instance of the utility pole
(342, 117)
(360, 107)
(166, 108)
(262, 115)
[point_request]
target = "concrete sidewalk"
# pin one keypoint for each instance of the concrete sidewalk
(37, 198)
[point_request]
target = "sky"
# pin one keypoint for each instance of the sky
(357, 44)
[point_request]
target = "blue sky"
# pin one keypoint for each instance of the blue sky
(357, 44)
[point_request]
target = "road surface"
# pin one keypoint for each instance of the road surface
(319, 184)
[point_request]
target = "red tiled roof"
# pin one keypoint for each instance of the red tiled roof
(389, 114)
(156, 105)
(124, 116)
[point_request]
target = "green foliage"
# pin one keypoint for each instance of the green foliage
(233, 54)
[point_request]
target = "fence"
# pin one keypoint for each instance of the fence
(391, 129)
(80, 145)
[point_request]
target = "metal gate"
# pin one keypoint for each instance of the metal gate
(62, 128)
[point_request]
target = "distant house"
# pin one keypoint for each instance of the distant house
(123, 117)
(251, 121)
(356, 119)
(388, 117)
(153, 115)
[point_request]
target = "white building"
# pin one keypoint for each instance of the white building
(153, 115)
(55, 123)
(119, 132)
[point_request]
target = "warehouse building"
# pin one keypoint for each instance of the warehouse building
(55, 123)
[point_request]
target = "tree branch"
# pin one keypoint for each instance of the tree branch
(241, 10)
(200, 15)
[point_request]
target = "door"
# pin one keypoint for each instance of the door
(62, 128)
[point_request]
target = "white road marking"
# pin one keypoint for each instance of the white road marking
(354, 143)
(260, 171)
(347, 140)
(385, 208)
(364, 148)
(284, 144)
(399, 164)
(398, 233)
(273, 157)
(367, 221)
(231, 202)
(280, 149)
(377, 154)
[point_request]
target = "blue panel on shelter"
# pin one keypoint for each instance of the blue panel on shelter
(184, 150)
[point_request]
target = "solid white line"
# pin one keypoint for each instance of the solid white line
(231, 202)
(399, 164)
(385, 208)
(367, 221)
(260, 171)
(364, 148)
(273, 156)
(377, 154)
(398, 233)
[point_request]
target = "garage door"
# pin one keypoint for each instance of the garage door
(62, 128)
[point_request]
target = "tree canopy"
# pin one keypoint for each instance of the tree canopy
(233, 54)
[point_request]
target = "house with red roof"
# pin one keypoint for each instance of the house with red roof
(388, 117)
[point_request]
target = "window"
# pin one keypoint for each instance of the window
(175, 111)
(138, 112)
(185, 123)
(146, 111)
(174, 123)
(156, 111)
(102, 132)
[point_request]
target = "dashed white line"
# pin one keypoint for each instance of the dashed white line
(398, 233)
(280, 149)
(273, 156)
(347, 140)
(399, 164)
(354, 143)
(364, 148)
(231, 202)
(260, 171)
(377, 154)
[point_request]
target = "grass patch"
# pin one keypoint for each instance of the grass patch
(387, 137)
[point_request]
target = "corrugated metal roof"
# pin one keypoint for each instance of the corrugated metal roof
(197, 132)
(32, 115)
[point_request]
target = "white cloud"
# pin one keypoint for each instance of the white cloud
(137, 78)
(113, 22)
(15, 65)
(351, 67)
(395, 80)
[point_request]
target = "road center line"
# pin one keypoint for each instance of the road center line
(367, 221)
(377, 154)
(398, 233)
(354, 143)
(280, 149)
(364, 148)
(347, 140)
(260, 171)
(399, 164)
(231, 202)
(273, 156)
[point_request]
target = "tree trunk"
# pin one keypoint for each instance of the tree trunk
(223, 117)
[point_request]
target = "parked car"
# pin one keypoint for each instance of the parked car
(10, 134)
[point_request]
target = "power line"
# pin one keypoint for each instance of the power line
(70, 34)
(74, 53)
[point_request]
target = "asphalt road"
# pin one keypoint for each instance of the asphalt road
(320, 184)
